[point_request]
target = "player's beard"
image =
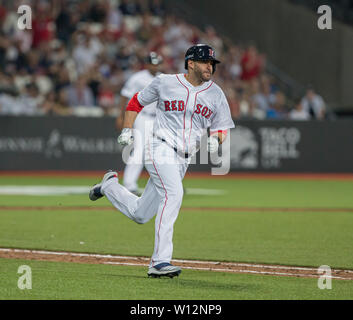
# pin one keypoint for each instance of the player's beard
(203, 76)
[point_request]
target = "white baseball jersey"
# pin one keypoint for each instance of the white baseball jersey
(136, 83)
(184, 111)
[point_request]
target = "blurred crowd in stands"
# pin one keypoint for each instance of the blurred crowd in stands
(78, 55)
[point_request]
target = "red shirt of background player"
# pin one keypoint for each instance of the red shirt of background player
(251, 64)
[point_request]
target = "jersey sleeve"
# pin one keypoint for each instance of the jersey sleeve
(129, 88)
(222, 119)
(150, 93)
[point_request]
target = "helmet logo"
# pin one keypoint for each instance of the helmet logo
(211, 53)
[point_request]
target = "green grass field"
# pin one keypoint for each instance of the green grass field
(311, 237)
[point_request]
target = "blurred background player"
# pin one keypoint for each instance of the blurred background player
(144, 121)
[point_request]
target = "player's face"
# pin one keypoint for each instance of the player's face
(153, 68)
(203, 70)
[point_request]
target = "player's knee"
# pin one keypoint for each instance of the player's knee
(176, 194)
(141, 220)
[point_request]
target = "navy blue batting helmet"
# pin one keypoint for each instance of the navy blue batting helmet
(201, 52)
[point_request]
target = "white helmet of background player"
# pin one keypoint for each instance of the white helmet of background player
(154, 58)
(153, 62)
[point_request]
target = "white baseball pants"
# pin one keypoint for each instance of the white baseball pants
(162, 196)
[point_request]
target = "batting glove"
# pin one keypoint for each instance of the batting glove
(212, 144)
(126, 137)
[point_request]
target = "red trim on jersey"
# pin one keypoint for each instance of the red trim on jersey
(134, 104)
(193, 109)
(186, 104)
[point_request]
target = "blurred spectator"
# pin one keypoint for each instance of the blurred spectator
(157, 8)
(314, 104)
(177, 36)
(124, 58)
(21, 79)
(9, 104)
(233, 101)
(23, 40)
(114, 17)
(211, 37)
(261, 94)
(66, 23)
(252, 64)
(79, 94)
(145, 32)
(248, 109)
(31, 100)
(98, 11)
(59, 75)
(58, 53)
(55, 104)
(3, 13)
(3, 45)
(106, 97)
(234, 58)
(85, 52)
(129, 7)
(7, 83)
(29, 103)
(298, 112)
(277, 109)
(43, 25)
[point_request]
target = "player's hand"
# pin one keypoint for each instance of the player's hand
(126, 138)
(212, 144)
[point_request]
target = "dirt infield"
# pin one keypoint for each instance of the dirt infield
(197, 175)
(216, 266)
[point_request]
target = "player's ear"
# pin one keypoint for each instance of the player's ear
(190, 63)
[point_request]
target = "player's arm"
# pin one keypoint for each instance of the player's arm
(130, 114)
(127, 91)
(126, 137)
(120, 118)
(129, 118)
(140, 99)
(220, 124)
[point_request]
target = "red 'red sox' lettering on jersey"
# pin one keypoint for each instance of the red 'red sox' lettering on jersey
(174, 105)
(179, 105)
(205, 111)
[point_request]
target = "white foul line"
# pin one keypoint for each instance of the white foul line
(232, 271)
(93, 255)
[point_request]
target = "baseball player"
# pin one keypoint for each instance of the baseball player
(143, 121)
(187, 104)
